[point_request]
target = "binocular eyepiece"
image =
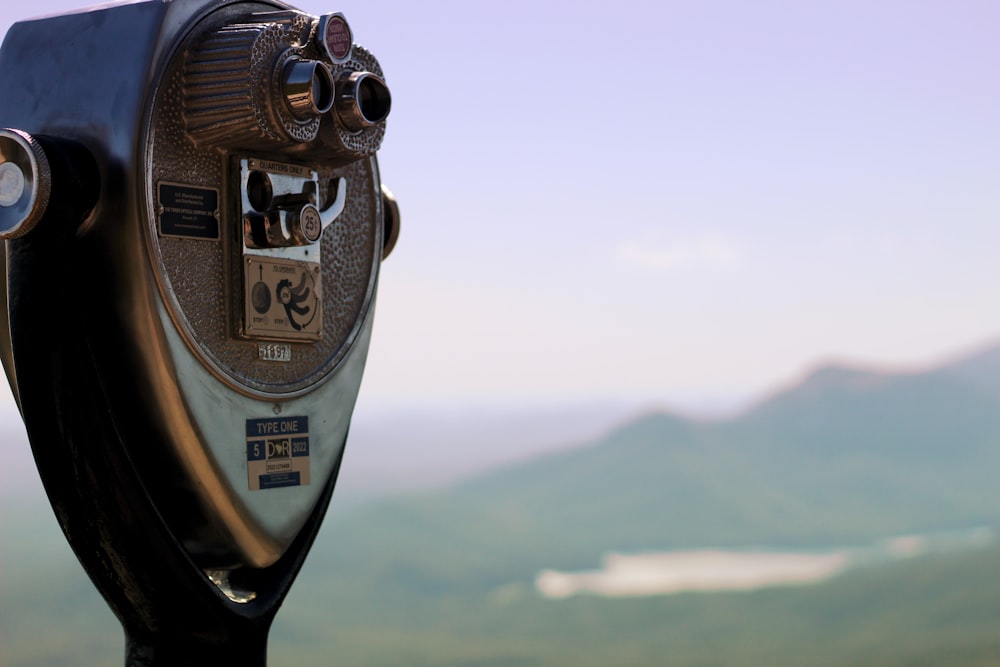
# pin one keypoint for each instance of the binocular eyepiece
(308, 87)
(307, 83)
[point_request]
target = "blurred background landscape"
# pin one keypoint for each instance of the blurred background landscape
(851, 518)
(689, 352)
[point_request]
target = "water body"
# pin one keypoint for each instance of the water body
(666, 573)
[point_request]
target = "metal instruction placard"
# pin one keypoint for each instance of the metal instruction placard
(283, 299)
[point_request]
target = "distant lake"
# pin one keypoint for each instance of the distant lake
(666, 573)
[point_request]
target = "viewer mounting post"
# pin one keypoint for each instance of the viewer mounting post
(193, 224)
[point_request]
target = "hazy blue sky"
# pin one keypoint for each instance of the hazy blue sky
(669, 199)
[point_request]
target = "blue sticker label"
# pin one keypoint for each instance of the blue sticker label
(278, 480)
(277, 452)
(277, 426)
(300, 446)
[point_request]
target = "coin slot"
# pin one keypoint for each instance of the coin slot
(260, 192)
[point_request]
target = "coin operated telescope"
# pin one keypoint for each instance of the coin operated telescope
(194, 223)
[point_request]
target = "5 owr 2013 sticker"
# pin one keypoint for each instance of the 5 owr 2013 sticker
(277, 452)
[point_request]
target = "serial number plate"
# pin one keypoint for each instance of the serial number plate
(274, 352)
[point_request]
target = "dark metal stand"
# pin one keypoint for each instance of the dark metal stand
(105, 499)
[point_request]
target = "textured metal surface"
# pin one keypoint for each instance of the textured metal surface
(333, 135)
(234, 88)
(194, 269)
(230, 84)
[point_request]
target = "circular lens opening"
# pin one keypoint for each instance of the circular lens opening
(374, 100)
(25, 183)
(259, 190)
(322, 89)
(308, 88)
(11, 184)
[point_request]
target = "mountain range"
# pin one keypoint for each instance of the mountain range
(846, 456)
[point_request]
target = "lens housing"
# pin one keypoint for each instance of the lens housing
(363, 100)
(308, 87)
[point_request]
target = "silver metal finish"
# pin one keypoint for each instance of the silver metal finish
(25, 183)
(280, 205)
(233, 90)
(352, 143)
(308, 88)
(221, 579)
(11, 184)
(351, 237)
(363, 100)
(244, 166)
(301, 224)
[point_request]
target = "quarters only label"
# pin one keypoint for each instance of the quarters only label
(277, 452)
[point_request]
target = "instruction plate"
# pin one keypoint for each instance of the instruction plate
(188, 211)
(282, 299)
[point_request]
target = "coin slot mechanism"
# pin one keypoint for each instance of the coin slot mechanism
(281, 297)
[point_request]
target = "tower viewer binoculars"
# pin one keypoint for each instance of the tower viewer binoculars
(194, 223)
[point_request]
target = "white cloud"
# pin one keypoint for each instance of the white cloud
(657, 254)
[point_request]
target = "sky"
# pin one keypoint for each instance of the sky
(677, 200)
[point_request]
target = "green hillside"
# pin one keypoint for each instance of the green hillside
(847, 457)
(941, 611)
